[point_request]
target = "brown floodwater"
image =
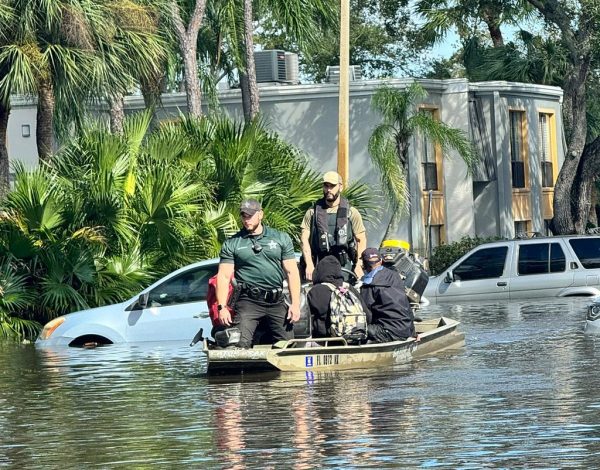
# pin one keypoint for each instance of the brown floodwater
(524, 392)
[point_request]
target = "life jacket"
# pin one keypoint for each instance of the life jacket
(332, 233)
(347, 316)
(212, 303)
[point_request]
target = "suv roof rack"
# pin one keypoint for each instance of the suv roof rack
(522, 235)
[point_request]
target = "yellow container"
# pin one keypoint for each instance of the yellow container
(395, 244)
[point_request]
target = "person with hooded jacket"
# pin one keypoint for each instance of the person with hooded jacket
(383, 292)
(329, 270)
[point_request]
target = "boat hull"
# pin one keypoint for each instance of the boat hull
(434, 336)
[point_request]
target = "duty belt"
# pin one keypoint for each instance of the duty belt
(266, 295)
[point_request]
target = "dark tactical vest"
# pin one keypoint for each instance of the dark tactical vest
(332, 234)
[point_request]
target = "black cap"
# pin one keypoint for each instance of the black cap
(371, 256)
(250, 206)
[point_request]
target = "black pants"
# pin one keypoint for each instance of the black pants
(378, 334)
(250, 312)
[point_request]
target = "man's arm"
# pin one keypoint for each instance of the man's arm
(293, 278)
(307, 253)
(361, 245)
(223, 279)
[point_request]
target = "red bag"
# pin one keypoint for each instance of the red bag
(211, 300)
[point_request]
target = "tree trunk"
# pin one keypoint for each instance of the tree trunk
(492, 21)
(45, 120)
(151, 87)
(187, 40)
(116, 112)
(249, 59)
(567, 210)
(245, 95)
(4, 162)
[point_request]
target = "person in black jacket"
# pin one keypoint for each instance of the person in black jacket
(383, 292)
(328, 270)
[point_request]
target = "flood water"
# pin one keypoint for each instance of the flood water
(524, 392)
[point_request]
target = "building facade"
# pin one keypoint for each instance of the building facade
(517, 129)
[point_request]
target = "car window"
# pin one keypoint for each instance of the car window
(190, 286)
(587, 250)
(483, 264)
(540, 258)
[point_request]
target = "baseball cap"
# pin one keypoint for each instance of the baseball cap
(332, 177)
(371, 255)
(250, 206)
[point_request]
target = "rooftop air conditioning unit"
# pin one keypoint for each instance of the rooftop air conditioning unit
(270, 66)
(332, 73)
(291, 68)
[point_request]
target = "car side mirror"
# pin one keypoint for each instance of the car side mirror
(142, 302)
(449, 279)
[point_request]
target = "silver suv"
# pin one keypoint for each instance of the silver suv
(558, 266)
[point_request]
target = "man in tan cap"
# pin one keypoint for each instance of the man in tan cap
(333, 227)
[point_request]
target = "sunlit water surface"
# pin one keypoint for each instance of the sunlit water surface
(524, 392)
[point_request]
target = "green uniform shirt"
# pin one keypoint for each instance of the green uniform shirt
(261, 269)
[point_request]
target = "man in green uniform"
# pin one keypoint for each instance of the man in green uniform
(259, 257)
(333, 227)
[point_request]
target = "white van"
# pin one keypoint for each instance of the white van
(558, 266)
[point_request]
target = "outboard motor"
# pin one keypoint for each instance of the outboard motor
(396, 255)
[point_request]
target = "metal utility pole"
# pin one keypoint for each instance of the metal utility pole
(344, 92)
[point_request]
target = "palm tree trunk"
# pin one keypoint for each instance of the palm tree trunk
(252, 86)
(151, 87)
(245, 95)
(45, 120)
(4, 162)
(117, 113)
(187, 39)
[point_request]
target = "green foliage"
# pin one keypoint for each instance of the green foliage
(446, 254)
(378, 39)
(390, 141)
(111, 212)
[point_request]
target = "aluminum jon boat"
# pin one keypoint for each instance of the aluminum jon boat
(318, 354)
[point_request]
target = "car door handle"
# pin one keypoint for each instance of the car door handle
(501, 284)
(202, 315)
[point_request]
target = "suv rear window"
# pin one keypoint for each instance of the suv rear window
(587, 250)
(541, 258)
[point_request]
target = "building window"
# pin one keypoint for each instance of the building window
(545, 150)
(428, 159)
(517, 153)
(522, 229)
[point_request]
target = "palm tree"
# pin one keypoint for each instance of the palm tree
(299, 20)
(389, 144)
(62, 52)
(187, 37)
(14, 296)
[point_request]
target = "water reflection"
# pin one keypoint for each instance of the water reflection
(523, 393)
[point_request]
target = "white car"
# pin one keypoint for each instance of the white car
(172, 309)
(540, 267)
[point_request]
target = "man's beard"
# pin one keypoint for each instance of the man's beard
(332, 197)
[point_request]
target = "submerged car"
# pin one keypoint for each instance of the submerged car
(172, 309)
(592, 318)
(560, 266)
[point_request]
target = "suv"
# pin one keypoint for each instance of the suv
(558, 266)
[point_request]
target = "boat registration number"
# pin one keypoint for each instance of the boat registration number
(322, 360)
